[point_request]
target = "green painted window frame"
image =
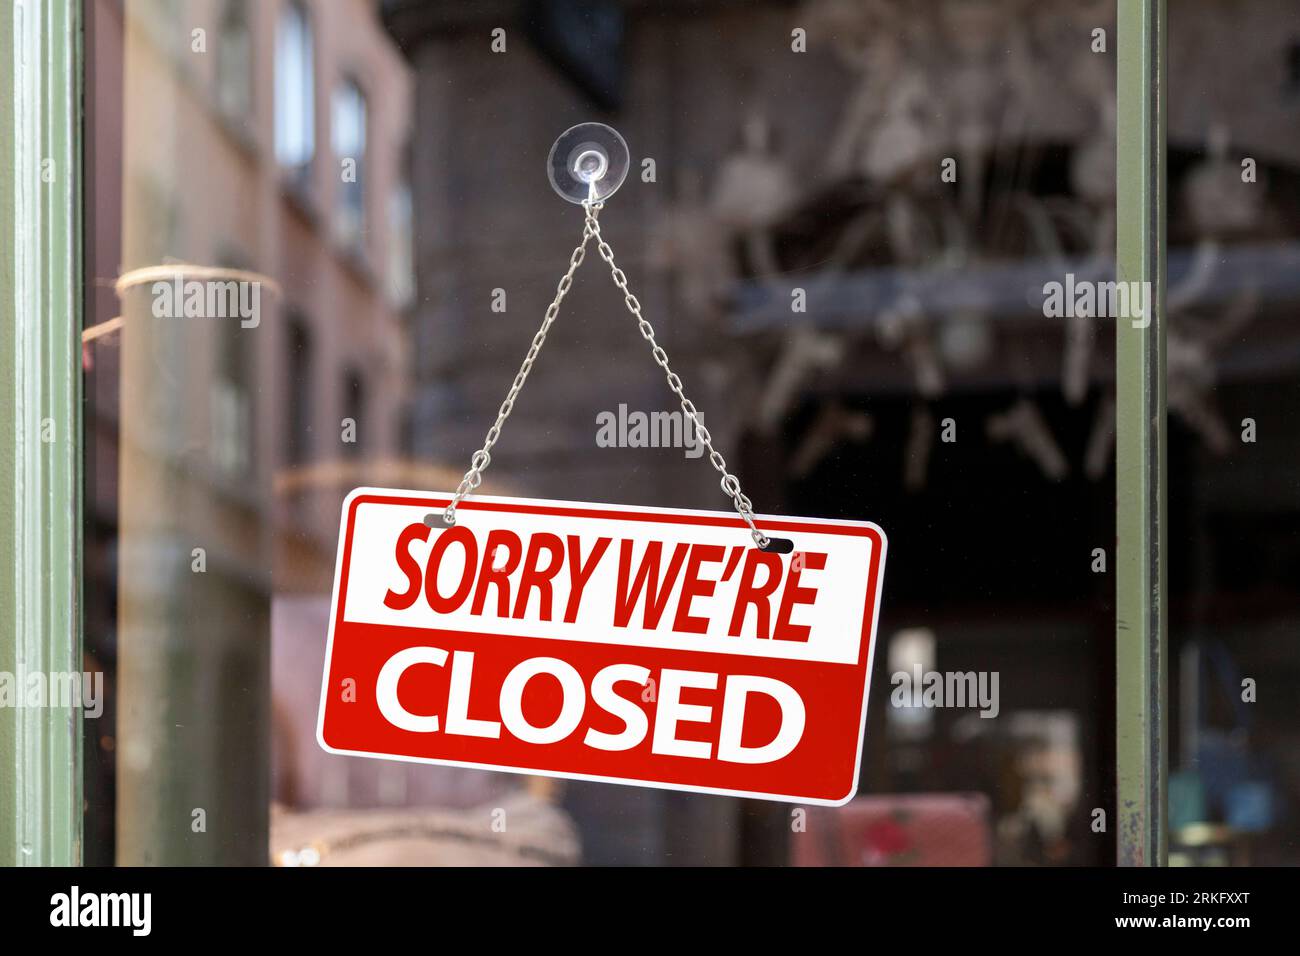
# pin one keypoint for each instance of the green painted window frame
(1141, 666)
(40, 423)
(41, 48)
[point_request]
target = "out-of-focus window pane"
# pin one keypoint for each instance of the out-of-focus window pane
(299, 378)
(401, 238)
(348, 136)
(232, 407)
(354, 413)
(235, 59)
(295, 113)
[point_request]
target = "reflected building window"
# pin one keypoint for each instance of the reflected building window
(235, 60)
(348, 138)
(232, 401)
(354, 409)
(295, 113)
(298, 372)
(401, 243)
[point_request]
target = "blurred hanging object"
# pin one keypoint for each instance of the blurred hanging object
(1222, 211)
(1101, 441)
(1191, 367)
(1023, 425)
(833, 424)
(754, 188)
(804, 352)
(1092, 174)
(864, 40)
(1077, 361)
(1191, 380)
(920, 442)
(965, 341)
(1220, 208)
(886, 126)
(980, 117)
(690, 240)
(905, 327)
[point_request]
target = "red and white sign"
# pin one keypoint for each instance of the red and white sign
(629, 645)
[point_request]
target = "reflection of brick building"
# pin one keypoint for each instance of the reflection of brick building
(268, 138)
(779, 173)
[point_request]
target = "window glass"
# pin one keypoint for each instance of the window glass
(1234, 406)
(299, 375)
(401, 238)
(235, 59)
(295, 114)
(348, 135)
(840, 221)
(877, 242)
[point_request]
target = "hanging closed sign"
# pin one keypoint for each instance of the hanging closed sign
(630, 645)
(688, 650)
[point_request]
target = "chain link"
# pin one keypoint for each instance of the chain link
(483, 457)
(730, 484)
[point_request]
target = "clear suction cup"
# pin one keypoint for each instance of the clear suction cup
(588, 162)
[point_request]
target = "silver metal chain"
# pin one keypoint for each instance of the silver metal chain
(483, 457)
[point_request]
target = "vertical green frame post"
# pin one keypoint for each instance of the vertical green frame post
(40, 425)
(1141, 649)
